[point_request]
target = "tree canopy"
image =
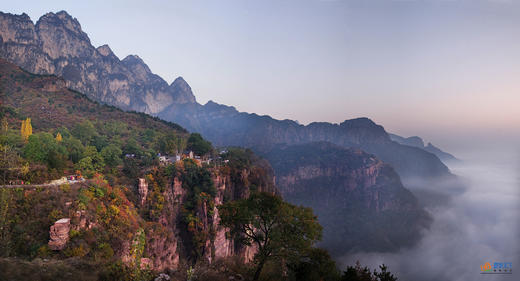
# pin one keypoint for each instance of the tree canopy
(278, 229)
(198, 144)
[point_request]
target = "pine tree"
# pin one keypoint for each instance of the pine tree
(58, 137)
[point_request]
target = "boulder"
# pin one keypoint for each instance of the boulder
(59, 234)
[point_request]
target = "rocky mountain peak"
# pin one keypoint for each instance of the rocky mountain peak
(63, 20)
(62, 36)
(365, 129)
(134, 61)
(105, 51)
(359, 122)
(182, 91)
(16, 28)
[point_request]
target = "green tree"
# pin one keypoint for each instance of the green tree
(132, 147)
(112, 155)
(91, 162)
(44, 148)
(98, 163)
(359, 273)
(198, 145)
(278, 229)
(85, 166)
(34, 149)
(74, 148)
(384, 275)
(315, 264)
(171, 144)
(84, 131)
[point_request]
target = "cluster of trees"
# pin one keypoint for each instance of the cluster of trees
(198, 144)
(285, 234)
(88, 147)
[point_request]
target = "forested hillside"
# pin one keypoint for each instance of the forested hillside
(122, 213)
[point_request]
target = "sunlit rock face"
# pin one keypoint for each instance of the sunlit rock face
(57, 45)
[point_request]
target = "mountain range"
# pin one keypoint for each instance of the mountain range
(57, 45)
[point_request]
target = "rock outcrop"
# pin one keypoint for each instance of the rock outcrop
(56, 44)
(59, 234)
(142, 189)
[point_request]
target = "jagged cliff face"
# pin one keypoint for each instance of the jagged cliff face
(171, 240)
(358, 199)
(57, 45)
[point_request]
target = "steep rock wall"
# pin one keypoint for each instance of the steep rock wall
(56, 44)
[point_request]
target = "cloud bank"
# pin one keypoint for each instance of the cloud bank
(480, 225)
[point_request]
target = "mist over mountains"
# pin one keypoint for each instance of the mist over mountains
(56, 45)
(416, 141)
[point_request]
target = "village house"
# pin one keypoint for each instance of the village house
(168, 159)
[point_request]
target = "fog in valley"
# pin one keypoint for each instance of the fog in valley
(478, 225)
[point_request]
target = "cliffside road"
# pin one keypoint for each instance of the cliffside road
(29, 185)
(39, 185)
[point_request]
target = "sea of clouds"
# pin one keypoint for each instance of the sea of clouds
(479, 225)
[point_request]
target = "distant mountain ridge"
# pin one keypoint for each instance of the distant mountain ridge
(224, 125)
(418, 142)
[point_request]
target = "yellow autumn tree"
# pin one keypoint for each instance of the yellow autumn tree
(58, 137)
(26, 129)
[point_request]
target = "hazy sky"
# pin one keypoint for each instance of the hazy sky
(441, 69)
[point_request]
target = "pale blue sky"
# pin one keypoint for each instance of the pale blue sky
(441, 69)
